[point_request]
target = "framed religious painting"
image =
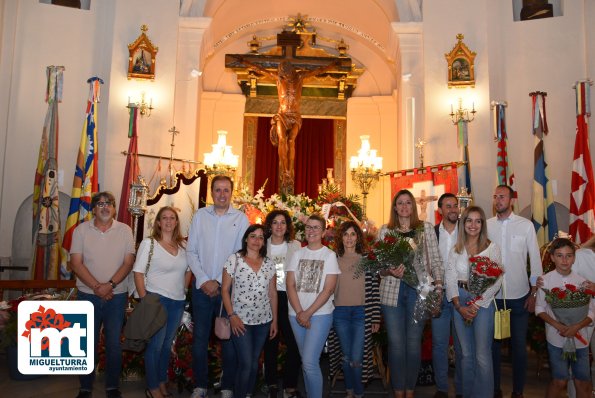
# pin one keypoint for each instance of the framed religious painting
(461, 65)
(141, 57)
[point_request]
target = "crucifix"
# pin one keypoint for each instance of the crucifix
(289, 71)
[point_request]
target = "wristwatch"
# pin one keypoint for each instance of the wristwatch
(113, 284)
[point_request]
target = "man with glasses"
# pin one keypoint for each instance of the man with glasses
(101, 256)
(215, 233)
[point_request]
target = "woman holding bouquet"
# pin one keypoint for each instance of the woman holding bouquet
(398, 299)
(311, 279)
(562, 254)
(474, 312)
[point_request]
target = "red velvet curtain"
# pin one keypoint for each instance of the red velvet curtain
(314, 153)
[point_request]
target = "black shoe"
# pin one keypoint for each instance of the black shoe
(497, 393)
(459, 396)
(441, 394)
(84, 394)
(115, 393)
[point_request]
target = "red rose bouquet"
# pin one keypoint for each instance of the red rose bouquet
(388, 252)
(483, 274)
(570, 305)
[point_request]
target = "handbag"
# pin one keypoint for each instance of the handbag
(222, 323)
(146, 318)
(502, 319)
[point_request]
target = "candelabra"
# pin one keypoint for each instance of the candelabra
(221, 161)
(365, 170)
(465, 199)
(462, 114)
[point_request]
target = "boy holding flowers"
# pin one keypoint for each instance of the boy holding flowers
(568, 310)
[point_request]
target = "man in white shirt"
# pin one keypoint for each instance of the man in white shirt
(516, 237)
(442, 327)
(215, 233)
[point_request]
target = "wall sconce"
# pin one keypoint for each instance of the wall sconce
(462, 114)
(144, 108)
(221, 160)
(365, 169)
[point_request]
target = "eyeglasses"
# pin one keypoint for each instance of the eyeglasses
(313, 228)
(101, 205)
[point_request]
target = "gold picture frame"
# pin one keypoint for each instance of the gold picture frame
(461, 65)
(141, 57)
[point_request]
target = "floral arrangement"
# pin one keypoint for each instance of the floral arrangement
(570, 305)
(389, 252)
(180, 369)
(9, 313)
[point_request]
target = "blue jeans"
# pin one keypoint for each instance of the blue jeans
(519, 323)
(476, 346)
(248, 347)
(404, 340)
(310, 343)
(158, 349)
(348, 322)
(204, 310)
(442, 329)
(111, 314)
(560, 367)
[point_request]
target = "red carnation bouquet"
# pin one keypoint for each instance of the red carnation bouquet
(483, 274)
(570, 305)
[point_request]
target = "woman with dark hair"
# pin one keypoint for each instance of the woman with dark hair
(279, 234)
(161, 268)
(311, 279)
(473, 318)
(357, 312)
(249, 294)
(398, 299)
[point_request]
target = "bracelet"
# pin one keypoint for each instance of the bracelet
(232, 314)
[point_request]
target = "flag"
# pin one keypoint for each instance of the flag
(47, 247)
(462, 143)
(132, 169)
(543, 211)
(86, 178)
(427, 185)
(582, 196)
(503, 165)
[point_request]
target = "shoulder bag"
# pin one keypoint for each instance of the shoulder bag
(502, 318)
(147, 317)
(222, 323)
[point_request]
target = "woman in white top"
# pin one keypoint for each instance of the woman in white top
(253, 308)
(475, 338)
(311, 278)
(161, 268)
(280, 248)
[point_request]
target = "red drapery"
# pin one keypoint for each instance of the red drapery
(314, 153)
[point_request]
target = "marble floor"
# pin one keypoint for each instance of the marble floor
(67, 386)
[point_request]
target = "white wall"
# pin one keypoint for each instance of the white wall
(513, 59)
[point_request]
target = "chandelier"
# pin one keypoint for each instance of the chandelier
(365, 169)
(221, 160)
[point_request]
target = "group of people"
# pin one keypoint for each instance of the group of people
(270, 287)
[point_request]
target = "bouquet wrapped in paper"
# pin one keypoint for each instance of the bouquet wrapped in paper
(395, 249)
(570, 305)
(483, 274)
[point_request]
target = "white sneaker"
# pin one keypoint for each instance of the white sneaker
(199, 393)
(226, 394)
